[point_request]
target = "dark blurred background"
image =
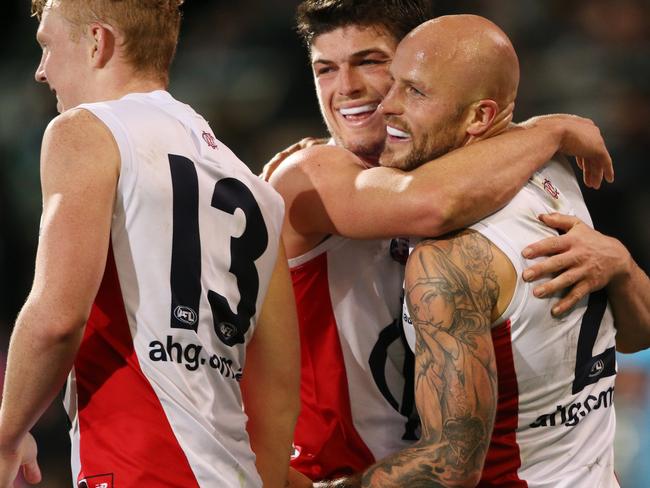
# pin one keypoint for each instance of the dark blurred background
(241, 65)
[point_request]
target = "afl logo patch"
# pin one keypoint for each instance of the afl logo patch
(185, 315)
(229, 333)
(597, 368)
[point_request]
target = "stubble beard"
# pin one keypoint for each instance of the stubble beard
(429, 147)
(367, 150)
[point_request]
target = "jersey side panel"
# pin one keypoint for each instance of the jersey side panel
(564, 433)
(108, 381)
(326, 443)
(503, 458)
(366, 289)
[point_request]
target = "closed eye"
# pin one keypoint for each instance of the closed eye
(322, 70)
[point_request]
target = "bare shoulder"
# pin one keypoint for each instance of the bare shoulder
(469, 260)
(457, 259)
(450, 245)
(319, 156)
(74, 136)
(314, 163)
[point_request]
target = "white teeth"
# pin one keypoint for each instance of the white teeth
(358, 110)
(392, 131)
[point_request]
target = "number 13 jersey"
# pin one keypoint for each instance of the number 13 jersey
(154, 395)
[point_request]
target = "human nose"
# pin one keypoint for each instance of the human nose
(349, 81)
(391, 105)
(39, 75)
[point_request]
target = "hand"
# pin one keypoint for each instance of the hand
(582, 259)
(25, 457)
(272, 165)
(582, 139)
(298, 480)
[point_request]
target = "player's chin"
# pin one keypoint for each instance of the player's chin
(387, 159)
(392, 157)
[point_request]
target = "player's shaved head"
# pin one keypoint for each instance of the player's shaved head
(471, 52)
(452, 76)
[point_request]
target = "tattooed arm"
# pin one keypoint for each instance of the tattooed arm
(455, 287)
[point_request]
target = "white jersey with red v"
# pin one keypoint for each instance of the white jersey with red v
(356, 373)
(154, 395)
(555, 419)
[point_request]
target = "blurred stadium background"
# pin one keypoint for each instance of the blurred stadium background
(241, 65)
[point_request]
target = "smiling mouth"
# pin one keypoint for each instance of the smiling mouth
(396, 133)
(359, 113)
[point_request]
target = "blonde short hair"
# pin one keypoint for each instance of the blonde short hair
(150, 27)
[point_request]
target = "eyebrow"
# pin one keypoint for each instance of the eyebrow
(356, 55)
(41, 36)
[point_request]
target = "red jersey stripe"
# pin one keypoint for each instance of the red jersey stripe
(503, 458)
(325, 430)
(124, 434)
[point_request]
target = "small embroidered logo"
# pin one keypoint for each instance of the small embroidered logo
(550, 189)
(209, 140)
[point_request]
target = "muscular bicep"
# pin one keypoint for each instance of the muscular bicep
(327, 190)
(79, 171)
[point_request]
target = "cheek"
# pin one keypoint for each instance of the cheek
(323, 91)
(381, 83)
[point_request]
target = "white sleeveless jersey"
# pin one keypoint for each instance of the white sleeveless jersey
(555, 418)
(356, 384)
(154, 395)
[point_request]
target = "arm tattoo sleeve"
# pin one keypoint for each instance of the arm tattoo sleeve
(451, 289)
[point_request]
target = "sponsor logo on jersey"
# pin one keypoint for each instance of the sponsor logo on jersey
(97, 481)
(185, 314)
(193, 357)
(550, 189)
(572, 414)
(209, 140)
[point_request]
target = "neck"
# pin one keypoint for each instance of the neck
(369, 161)
(133, 85)
(115, 85)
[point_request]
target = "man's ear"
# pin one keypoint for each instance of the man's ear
(102, 39)
(482, 116)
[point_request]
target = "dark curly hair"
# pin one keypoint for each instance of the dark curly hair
(398, 17)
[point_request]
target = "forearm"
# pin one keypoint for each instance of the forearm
(37, 366)
(420, 465)
(271, 434)
(476, 180)
(629, 297)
